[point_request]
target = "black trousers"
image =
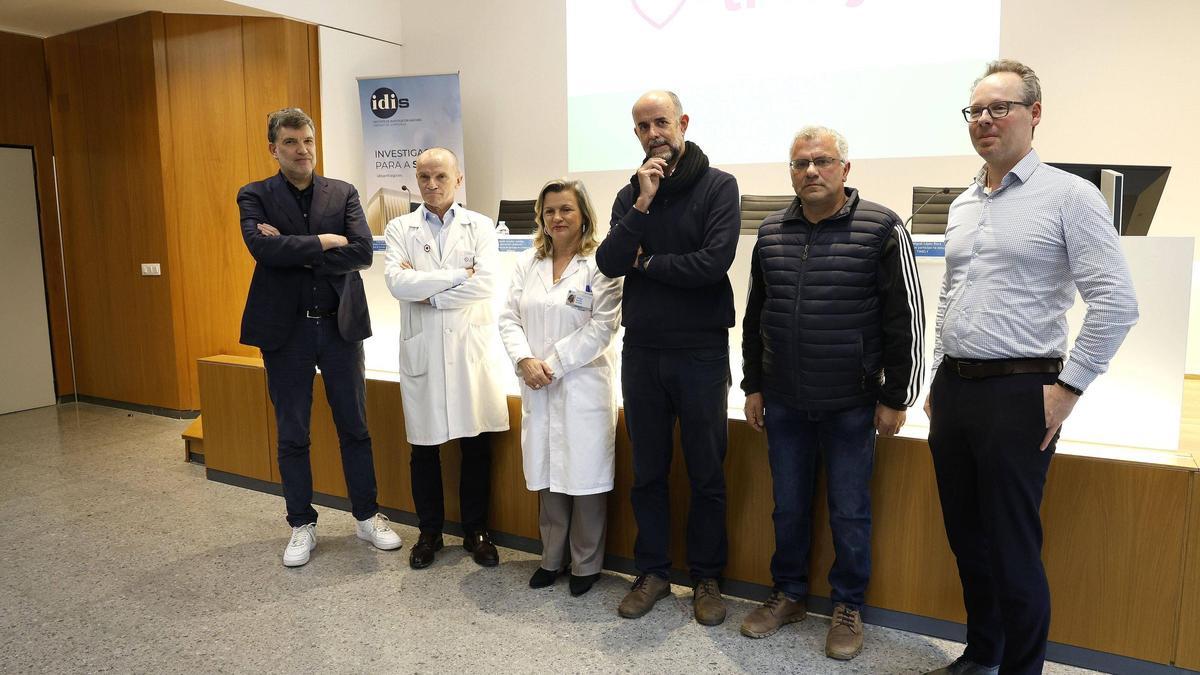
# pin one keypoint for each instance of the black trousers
(474, 484)
(692, 386)
(984, 437)
(290, 371)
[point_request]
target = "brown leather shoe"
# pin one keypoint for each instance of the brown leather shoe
(647, 590)
(845, 639)
(778, 611)
(707, 603)
(422, 552)
(483, 551)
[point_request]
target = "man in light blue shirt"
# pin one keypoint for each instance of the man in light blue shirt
(1019, 242)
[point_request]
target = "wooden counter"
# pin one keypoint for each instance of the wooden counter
(1122, 538)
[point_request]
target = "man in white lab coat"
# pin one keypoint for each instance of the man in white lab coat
(442, 263)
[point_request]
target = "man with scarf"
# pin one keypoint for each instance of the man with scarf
(673, 235)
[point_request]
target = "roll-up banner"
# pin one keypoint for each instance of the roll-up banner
(401, 117)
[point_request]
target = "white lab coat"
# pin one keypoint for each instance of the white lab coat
(568, 428)
(450, 374)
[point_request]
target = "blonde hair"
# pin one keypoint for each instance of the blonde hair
(542, 242)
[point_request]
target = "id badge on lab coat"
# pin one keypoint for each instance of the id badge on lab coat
(581, 300)
(468, 259)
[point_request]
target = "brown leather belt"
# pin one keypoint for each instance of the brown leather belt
(975, 369)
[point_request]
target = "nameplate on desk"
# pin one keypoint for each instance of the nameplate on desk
(929, 249)
(514, 243)
(378, 245)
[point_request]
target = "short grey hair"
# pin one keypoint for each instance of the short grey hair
(813, 132)
(1031, 86)
(676, 103)
(292, 118)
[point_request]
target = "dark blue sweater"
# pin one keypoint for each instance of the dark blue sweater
(683, 298)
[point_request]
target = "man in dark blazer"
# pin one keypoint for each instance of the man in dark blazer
(307, 308)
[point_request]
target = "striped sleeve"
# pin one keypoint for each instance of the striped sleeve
(903, 317)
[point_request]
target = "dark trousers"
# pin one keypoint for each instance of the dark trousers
(845, 440)
(474, 482)
(984, 437)
(290, 370)
(691, 385)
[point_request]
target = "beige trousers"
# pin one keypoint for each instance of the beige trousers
(582, 520)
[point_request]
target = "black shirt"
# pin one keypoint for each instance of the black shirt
(318, 295)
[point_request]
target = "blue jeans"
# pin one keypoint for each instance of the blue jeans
(290, 372)
(846, 441)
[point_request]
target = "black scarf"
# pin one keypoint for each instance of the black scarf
(691, 166)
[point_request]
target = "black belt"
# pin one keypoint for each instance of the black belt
(320, 314)
(975, 369)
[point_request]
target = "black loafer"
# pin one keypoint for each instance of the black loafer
(422, 552)
(483, 551)
(581, 585)
(543, 578)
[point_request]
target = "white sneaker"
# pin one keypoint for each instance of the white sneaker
(377, 531)
(304, 540)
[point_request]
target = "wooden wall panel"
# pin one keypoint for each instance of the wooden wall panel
(622, 528)
(389, 446)
(513, 508)
(235, 417)
(205, 71)
(1115, 531)
(276, 57)
(151, 116)
(111, 215)
(1187, 651)
(749, 506)
(1115, 540)
(314, 87)
(25, 120)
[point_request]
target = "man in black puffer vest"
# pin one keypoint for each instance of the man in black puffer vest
(673, 236)
(832, 346)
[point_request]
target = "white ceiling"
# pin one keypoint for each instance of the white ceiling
(43, 18)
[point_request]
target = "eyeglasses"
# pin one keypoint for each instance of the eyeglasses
(821, 162)
(998, 110)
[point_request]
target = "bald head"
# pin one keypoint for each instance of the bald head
(660, 125)
(436, 154)
(660, 97)
(438, 178)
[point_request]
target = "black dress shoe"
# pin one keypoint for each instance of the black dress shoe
(581, 585)
(479, 545)
(543, 577)
(422, 552)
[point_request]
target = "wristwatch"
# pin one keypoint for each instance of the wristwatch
(1069, 387)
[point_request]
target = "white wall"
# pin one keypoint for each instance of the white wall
(1115, 77)
(376, 18)
(344, 58)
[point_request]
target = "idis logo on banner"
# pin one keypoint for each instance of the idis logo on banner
(385, 103)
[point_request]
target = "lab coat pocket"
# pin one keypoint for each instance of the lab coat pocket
(590, 396)
(414, 356)
(478, 342)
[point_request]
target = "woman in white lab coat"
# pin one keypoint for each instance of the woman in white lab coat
(558, 327)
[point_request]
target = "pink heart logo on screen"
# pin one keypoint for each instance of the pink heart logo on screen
(658, 13)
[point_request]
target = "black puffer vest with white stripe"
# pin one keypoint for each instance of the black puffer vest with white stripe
(821, 325)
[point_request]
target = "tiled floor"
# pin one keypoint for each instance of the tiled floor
(118, 556)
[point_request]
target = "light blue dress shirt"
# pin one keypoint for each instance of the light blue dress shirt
(439, 228)
(1014, 258)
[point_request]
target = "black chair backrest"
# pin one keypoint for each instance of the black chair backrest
(518, 215)
(931, 218)
(757, 207)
